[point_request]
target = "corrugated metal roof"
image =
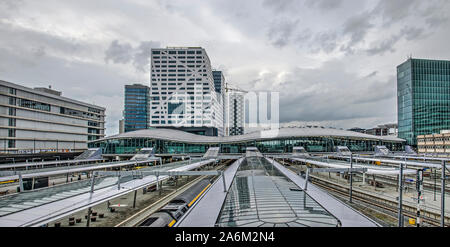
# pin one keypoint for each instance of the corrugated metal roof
(282, 133)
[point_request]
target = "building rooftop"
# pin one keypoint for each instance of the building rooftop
(182, 136)
(48, 94)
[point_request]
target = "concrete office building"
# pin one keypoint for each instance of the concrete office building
(434, 144)
(234, 113)
(121, 126)
(183, 95)
(383, 130)
(137, 107)
(423, 98)
(40, 119)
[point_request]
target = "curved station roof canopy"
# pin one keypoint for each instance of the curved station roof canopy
(282, 133)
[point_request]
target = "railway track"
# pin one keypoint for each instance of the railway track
(389, 205)
(377, 202)
(140, 216)
(137, 218)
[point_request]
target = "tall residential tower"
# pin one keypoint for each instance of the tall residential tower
(234, 113)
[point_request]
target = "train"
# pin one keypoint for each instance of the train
(168, 215)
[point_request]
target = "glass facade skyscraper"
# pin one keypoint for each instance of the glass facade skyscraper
(136, 110)
(423, 98)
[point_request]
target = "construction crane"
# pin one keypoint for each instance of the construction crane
(227, 88)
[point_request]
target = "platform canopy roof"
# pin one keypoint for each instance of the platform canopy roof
(282, 133)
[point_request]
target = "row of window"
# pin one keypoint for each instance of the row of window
(177, 57)
(178, 52)
(175, 79)
(181, 61)
(174, 84)
(31, 104)
(179, 66)
(180, 70)
(430, 64)
(174, 75)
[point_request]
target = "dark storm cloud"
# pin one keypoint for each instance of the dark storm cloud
(388, 45)
(329, 93)
(90, 83)
(325, 41)
(357, 28)
(124, 53)
(341, 43)
(141, 58)
(280, 6)
(394, 11)
(119, 53)
(412, 33)
(9, 8)
(281, 32)
(18, 38)
(324, 4)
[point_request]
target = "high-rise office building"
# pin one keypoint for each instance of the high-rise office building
(423, 98)
(234, 113)
(137, 106)
(219, 81)
(219, 85)
(40, 119)
(183, 94)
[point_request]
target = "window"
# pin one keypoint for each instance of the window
(12, 111)
(12, 122)
(33, 105)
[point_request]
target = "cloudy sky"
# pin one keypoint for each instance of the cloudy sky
(333, 61)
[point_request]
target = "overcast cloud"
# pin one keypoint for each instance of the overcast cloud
(333, 62)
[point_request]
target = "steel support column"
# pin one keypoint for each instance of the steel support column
(443, 194)
(224, 183)
(400, 197)
(88, 217)
(134, 200)
(92, 182)
(351, 177)
(20, 182)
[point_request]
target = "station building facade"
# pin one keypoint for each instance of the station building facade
(169, 141)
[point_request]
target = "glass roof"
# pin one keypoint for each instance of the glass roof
(28, 199)
(261, 196)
